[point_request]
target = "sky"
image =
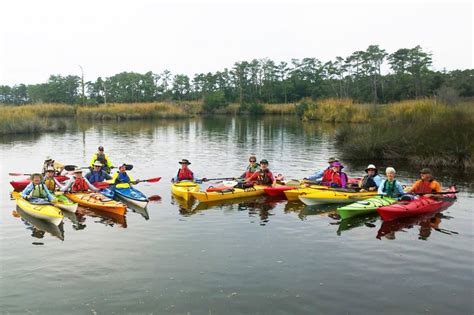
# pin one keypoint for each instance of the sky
(41, 38)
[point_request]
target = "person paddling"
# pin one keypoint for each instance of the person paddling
(97, 174)
(263, 176)
(372, 180)
(390, 187)
(37, 190)
(252, 168)
(102, 158)
(121, 178)
(319, 174)
(334, 176)
(185, 173)
(50, 182)
(78, 183)
(426, 184)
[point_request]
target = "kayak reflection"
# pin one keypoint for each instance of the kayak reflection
(427, 223)
(140, 210)
(328, 210)
(105, 217)
(354, 222)
(38, 227)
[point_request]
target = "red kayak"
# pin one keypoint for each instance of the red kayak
(19, 185)
(422, 205)
(278, 191)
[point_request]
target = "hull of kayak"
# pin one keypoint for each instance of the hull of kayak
(64, 203)
(232, 193)
(41, 211)
(19, 185)
(318, 197)
(184, 189)
(364, 206)
(97, 201)
(423, 205)
(278, 191)
(293, 194)
(133, 196)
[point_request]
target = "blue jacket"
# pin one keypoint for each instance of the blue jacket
(398, 189)
(94, 177)
(28, 189)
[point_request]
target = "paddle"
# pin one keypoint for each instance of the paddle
(70, 168)
(437, 193)
(18, 174)
(218, 178)
(102, 185)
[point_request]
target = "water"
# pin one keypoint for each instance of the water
(254, 256)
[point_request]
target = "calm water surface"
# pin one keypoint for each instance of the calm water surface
(254, 256)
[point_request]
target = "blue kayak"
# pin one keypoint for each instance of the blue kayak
(132, 196)
(107, 192)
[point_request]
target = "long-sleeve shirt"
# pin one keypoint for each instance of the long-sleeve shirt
(317, 175)
(121, 180)
(28, 190)
(71, 181)
(398, 189)
(94, 177)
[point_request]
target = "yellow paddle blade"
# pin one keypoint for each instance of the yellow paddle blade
(16, 195)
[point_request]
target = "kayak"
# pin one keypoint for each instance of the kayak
(231, 193)
(19, 185)
(183, 189)
(42, 210)
(64, 203)
(107, 192)
(132, 195)
(278, 191)
(421, 205)
(97, 201)
(364, 206)
(40, 224)
(334, 195)
(294, 193)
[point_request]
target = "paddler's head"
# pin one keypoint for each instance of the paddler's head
(97, 166)
(78, 173)
(426, 174)
(253, 159)
(36, 178)
(390, 173)
(184, 163)
(337, 166)
(50, 171)
(332, 160)
(264, 164)
(123, 168)
(101, 149)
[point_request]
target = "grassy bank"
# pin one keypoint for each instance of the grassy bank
(335, 110)
(423, 131)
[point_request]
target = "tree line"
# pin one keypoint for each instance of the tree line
(373, 75)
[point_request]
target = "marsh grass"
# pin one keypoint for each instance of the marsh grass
(424, 132)
(337, 110)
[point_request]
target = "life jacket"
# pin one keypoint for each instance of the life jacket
(368, 182)
(389, 188)
(333, 179)
(185, 174)
(39, 192)
(79, 185)
(425, 187)
(101, 158)
(265, 177)
(50, 183)
(122, 178)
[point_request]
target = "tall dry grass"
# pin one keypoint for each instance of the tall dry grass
(337, 110)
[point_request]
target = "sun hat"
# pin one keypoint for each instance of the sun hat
(370, 167)
(77, 170)
(332, 160)
(36, 174)
(48, 158)
(425, 171)
(97, 163)
(390, 170)
(50, 169)
(337, 164)
(184, 161)
(264, 161)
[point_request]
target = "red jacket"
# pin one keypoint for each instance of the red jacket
(185, 174)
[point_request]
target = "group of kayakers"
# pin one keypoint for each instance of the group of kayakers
(255, 173)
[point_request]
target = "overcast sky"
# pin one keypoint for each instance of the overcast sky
(40, 38)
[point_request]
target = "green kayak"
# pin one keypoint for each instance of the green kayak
(364, 206)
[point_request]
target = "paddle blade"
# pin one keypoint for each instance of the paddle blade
(154, 197)
(16, 195)
(101, 185)
(152, 180)
(16, 174)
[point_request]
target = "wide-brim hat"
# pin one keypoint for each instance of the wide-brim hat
(50, 169)
(77, 170)
(426, 171)
(370, 167)
(184, 161)
(332, 160)
(338, 164)
(97, 163)
(48, 158)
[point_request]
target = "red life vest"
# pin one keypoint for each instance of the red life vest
(185, 174)
(264, 177)
(79, 185)
(332, 178)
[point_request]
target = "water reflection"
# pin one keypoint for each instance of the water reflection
(426, 223)
(38, 227)
(102, 217)
(328, 210)
(358, 221)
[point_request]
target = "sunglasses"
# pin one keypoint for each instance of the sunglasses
(252, 160)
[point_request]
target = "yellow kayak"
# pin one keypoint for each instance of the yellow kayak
(45, 212)
(334, 195)
(231, 193)
(184, 189)
(97, 201)
(293, 194)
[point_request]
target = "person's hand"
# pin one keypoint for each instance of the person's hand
(204, 179)
(138, 180)
(55, 200)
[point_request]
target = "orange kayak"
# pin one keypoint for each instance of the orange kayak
(97, 201)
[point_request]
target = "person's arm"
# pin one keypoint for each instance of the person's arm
(109, 163)
(68, 185)
(414, 187)
(51, 197)
(344, 180)
(437, 187)
(377, 180)
(380, 189)
(401, 192)
(106, 176)
(88, 176)
(252, 178)
(25, 193)
(91, 187)
(316, 175)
